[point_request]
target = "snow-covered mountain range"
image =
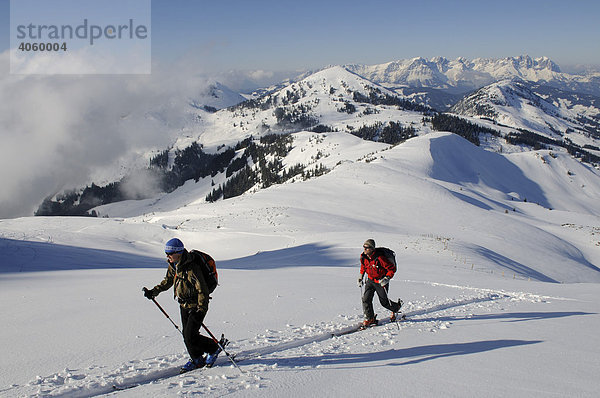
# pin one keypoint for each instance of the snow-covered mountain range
(492, 209)
(442, 82)
(364, 101)
(462, 75)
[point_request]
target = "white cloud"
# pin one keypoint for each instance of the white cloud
(58, 131)
(99, 60)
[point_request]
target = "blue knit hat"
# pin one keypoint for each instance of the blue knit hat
(174, 246)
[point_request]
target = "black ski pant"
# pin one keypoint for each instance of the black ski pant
(195, 343)
(372, 287)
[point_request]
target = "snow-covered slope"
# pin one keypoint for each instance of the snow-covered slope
(479, 237)
(584, 104)
(436, 184)
(480, 334)
(512, 103)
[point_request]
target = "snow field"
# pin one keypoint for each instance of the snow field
(282, 335)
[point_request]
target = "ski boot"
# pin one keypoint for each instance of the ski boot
(211, 358)
(192, 364)
(369, 322)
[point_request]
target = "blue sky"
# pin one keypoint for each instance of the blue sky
(293, 35)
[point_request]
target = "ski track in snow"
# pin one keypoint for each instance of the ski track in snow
(297, 348)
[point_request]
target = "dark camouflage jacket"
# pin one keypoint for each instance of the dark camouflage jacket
(189, 289)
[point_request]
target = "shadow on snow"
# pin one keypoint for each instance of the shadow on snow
(457, 161)
(310, 254)
(29, 256)
(513, 266)
(405, 356)
(508, 317)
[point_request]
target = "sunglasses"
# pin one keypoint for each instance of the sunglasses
(367, 247)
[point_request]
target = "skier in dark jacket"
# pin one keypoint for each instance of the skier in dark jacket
(379, 271)
(191, 291)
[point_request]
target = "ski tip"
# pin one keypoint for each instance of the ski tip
(121, 388)
(363, 327)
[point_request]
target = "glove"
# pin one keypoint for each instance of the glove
(360, 281)
(384, 281)
(149, 294)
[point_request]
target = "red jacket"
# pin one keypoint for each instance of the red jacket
(377, 266)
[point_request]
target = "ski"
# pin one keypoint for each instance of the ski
(126, 387)
(363, 327)
(399, 317)
(183, 371)
(247, 355)
(180, 371)
(359, 327)
(169, 374)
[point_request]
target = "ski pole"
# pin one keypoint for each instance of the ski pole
(167, 315)
(205, 328)
(212, 336)
(362, 280)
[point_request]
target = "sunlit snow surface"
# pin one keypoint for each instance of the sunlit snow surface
(498, 270)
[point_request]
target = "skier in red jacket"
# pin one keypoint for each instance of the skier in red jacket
(379, 271)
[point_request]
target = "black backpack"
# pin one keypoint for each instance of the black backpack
(208, 269)
(388, 254)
